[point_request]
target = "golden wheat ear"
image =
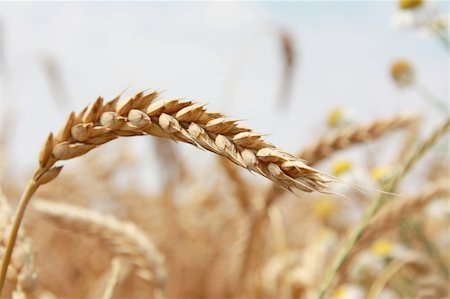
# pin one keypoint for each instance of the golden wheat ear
(179, 120)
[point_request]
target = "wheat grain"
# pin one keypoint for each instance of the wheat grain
(178, 120)
(124, 237)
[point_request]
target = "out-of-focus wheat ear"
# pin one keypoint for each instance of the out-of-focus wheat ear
(350, 136)
(125, 238)
(405, 166)
(395, 211)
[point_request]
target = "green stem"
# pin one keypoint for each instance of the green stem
(431, 98)
(430, 248)
(389, 186)
(442, 35)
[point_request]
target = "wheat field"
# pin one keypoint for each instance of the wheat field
(359, 210)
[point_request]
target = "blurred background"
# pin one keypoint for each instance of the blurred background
(227, 54)
(192, 225)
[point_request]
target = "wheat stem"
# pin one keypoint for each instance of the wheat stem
(23, 202)
(114, 278)
(389, 186)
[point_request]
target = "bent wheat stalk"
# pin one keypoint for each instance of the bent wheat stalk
(178, 120)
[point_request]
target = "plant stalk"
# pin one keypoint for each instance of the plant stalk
(18, 216)
(389, 186)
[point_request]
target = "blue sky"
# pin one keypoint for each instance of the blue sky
(220, 53)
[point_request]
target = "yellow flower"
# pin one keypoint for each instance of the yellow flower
(348, 291)
(415, 14)
(335, 117)
(341, 166)
(409, 4)
(382, 248)
(324, 207)
(380, 173)
(402, 73)
(339, 292)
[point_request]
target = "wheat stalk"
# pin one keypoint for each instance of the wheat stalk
(124, 237)
(178, 120)
(22, 268)
(114, 278)
(406, 164)
(396, 211)
(393, 213)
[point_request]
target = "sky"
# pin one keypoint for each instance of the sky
(226, 54)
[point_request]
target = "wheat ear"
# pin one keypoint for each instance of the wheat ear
(178, 120)
(397, 210)
(124, 237)
(354, 135)
(405, 165)
(345, 138)
(394, 212)
(325, 147)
